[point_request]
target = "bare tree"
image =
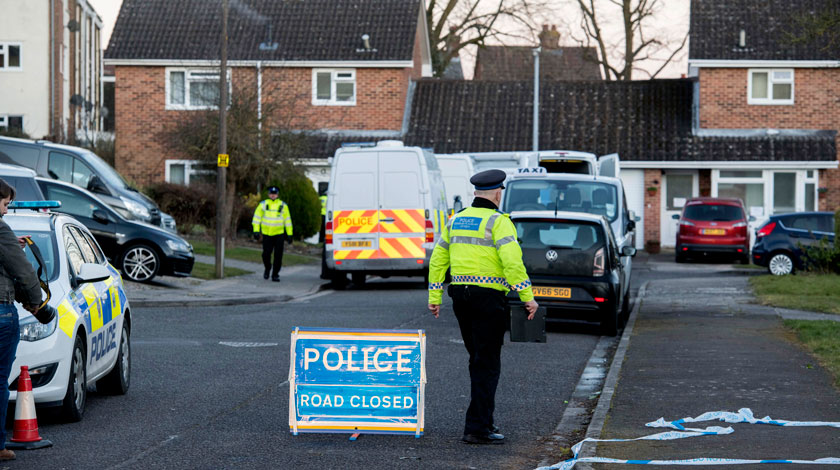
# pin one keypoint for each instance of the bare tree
(821, 27)
(638, 39)
(455, 24)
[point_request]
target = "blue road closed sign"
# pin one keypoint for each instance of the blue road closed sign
(357, 381)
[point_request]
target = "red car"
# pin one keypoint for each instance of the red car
(713, 225)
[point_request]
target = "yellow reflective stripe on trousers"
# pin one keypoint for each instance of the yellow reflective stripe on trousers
(67, 317)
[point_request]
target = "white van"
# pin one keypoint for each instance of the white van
(573, 161)
(457, 169)
(385, 208)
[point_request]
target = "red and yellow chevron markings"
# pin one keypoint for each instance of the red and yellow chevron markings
(393, 221)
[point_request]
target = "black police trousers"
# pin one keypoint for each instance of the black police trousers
(273, 243)
(482, 318)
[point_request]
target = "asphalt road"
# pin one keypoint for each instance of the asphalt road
(195, 402)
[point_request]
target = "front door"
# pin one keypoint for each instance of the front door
(677, 187)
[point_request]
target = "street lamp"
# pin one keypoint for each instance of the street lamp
(536, 137)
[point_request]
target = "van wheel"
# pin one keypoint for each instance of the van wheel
(73, 405)
(359, 279)
(118, 380)
(326, 273)
(339, 280)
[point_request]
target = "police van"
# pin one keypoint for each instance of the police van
(385, 208)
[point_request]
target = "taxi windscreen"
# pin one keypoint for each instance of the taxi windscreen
(46, 244)
(590, 197)
(559, 248)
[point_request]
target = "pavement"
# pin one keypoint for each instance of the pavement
(693, 344)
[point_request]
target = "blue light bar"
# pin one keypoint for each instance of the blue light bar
(358, 144)
(35, 205)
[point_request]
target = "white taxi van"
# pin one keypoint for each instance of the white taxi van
(87, 343)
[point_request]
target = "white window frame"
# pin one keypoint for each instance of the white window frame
(191, 167)
(770, 82)
(187, 106)
(4, 120)
(767, 180)
(4, 48)
(334, 78)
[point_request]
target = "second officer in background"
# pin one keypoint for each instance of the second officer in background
(479, 247)
(273, 225)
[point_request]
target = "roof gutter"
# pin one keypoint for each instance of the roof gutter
(715, 165)
(741, 63)
(265, 63)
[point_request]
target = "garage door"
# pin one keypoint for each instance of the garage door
(634, 189)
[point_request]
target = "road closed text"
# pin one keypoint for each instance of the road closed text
(317, 400)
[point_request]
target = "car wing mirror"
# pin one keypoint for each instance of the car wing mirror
(675, 217)
(101, 216)
(628, 251)
(92, 272)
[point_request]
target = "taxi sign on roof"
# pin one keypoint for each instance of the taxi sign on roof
(531, 171)
(357, 381)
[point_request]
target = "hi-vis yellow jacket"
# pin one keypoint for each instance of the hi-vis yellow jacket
(480, 245)
(272, 218)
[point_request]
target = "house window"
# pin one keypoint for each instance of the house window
(11, 123)
(10, 56)
(193, 89)
(770, 86)
(189, 172)
(333, 87)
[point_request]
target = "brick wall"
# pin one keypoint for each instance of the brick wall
(723, 105)
(141, 117)
(653, 177)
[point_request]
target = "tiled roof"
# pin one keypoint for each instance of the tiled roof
(716, 26)
(312, 30)
(506, 63)
(641, 120)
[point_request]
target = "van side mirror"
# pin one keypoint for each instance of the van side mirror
(628, 251)
(752, 218)
(631, 225)
(457, 205)
(95, 185)
(675, 217)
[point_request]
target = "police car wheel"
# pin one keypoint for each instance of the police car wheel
(118, 380)
(611, 323)
(73, 405)
(140, 263)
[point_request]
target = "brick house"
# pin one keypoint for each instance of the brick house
(50, 69)
(343, 69)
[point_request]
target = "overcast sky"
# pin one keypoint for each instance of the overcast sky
(674, 18)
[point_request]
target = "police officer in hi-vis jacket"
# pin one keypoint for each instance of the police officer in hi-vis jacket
(273, 224)
(480, 248)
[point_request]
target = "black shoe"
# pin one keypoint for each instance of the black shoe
(275, 278)
(494, 429)
(490, 438)
(265, 274)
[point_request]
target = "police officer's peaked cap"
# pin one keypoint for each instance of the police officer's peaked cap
(489, 179)
(273, 190)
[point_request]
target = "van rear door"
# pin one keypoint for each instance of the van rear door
(609, 165)
(402, 211)
(355, 207)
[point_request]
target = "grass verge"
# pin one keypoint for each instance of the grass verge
(814, 292)
(208, 271)
(822, 337)
(253, 255)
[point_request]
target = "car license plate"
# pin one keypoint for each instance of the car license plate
(556, 292)
(356, 244)
(713, 231)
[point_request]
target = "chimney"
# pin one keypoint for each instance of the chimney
(549, 39)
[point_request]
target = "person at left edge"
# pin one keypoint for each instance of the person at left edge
(273, 225)
(14, 269)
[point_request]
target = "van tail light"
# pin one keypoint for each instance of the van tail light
(766, 230)
(598, 264)
(328, 233)
(430, 231)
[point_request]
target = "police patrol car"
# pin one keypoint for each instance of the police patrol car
(87, 342)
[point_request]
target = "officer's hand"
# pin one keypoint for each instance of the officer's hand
(288, 240)
(435, 309)
(22, 241)
(257, 236)
(31, 308)
(531, 306)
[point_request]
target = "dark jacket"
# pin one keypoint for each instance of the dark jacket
(15, 268)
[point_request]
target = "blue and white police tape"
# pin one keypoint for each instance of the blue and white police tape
(744, 415)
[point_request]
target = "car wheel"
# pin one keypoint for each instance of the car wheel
(679, 258)
(118, 380)
(359, 279)
(611, 322)
(745, 259)
(140, 263)
(780, 264)
(73, 405)
(625, 309)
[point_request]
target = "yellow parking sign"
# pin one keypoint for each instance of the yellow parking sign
(224, 160)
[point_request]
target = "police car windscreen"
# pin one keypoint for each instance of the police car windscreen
(559, 248)
(590, 197)
(46, 243)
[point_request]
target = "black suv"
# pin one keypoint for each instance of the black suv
(779, 241)
(575, 268)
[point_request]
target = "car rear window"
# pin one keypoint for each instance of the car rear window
(574, 242)
(713, 213)
(589, 197)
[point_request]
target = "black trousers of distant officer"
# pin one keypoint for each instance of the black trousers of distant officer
(273, 243)
(482, 318)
